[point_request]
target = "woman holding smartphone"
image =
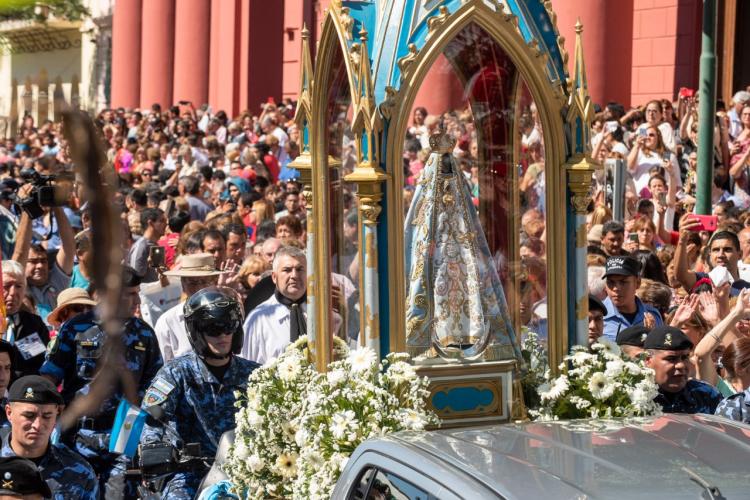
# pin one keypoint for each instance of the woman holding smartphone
(649, 151)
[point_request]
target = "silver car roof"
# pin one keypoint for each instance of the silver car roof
(627, 458)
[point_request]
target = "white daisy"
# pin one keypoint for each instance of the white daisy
(286, 464)
(412, 420)
(363, 359)
(608, 347)
(340, 423)
(600, 387)
(288, 369)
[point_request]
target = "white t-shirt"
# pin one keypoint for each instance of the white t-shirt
(267, 331)
(171, 333)
(645, 162)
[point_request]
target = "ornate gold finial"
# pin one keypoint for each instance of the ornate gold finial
(442, 142)
(579, 26)
(363, 34)
(305, 32)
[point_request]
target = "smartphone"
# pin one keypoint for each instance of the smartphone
(611, 126)
(156, 256)
(662, 197)
(667, 155)
(642, 132)
(633, 237)
(708, 222)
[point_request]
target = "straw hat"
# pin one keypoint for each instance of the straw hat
(194, 266)
(66, 298)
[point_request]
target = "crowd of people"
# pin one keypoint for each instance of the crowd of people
(210, 206)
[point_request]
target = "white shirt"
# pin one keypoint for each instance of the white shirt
(266, 331)
(171, 333)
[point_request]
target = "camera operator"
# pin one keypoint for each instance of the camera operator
(8, 217)
(196, 392)
(45, 283)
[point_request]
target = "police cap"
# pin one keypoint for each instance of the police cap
(667, 338)
(632, 335)
(34, 389)
(623, 266)
(20, 476)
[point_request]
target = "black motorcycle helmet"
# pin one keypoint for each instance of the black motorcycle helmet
(213, 311)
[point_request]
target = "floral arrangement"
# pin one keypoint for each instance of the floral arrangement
(537, 367)
(600, 383)
(296, 428)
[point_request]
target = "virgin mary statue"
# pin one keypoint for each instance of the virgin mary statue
(455, 305)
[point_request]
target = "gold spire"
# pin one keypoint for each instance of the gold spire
(580, 109)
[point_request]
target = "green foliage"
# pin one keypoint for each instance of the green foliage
(17, 10)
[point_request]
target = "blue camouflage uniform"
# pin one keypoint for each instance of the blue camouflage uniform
(736, 407)
(68, 476)
(72, 360)
(197, 408)
(695, 397)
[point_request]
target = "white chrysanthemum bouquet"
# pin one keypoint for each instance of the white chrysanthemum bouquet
(296, 428)
(600, 383)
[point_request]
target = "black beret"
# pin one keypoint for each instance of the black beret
(596, 304)
(622, 265)
(667, 338)
(34, 389)
(632, 335)
(20, 476)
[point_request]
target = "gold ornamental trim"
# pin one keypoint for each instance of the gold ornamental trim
(502, 27)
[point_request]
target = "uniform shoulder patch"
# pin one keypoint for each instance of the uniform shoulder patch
(157, 393)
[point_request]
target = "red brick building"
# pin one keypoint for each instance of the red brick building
(234, 54)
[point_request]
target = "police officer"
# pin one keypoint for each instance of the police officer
(74, 360)
(668, 354)
(196, 392)
(631, 340)
(6, 371)
(736, 407)
(32, 412)
(21, 479)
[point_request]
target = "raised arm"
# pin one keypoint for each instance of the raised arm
(68, 247)
(685, 276)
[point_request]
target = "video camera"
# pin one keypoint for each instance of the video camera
(44, 193)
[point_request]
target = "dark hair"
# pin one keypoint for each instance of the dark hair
(155, 197)
(178, 221)
(651, 266)
(249, 198)
(150, 215)
(139, 197)
(614, 227)
(293, 192)
(266, 229)
(726, 235)
(234, 228)
(207, 172)
(643, 206)
(213, 234)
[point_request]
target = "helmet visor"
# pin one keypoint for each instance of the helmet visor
(216, 327)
